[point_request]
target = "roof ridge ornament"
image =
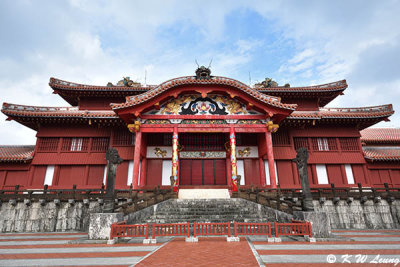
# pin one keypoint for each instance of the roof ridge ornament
(202, 72)
(126, 81)
(268, 83)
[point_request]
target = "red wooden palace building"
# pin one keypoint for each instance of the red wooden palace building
(201, 131)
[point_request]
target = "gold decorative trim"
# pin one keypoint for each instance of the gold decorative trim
(245, 152)
(158, 152)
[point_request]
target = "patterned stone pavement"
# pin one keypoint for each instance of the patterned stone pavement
(368, 248)
(209, 251)
(53, 249)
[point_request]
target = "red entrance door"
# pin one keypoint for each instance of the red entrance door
(202, 172)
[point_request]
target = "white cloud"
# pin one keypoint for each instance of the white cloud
(307, 53)
(95, 42)
(84, 45)
(245, 46)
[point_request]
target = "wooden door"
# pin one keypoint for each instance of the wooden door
(185, 174)
(202, 172)
(220, 171)
(208, 172)
(154, 172)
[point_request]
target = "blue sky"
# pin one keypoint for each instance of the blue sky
(296, 42)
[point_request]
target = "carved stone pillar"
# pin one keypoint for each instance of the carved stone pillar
(301, 160)
(113, 160)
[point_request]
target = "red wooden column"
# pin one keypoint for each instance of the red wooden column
(136, 159)
(271, 128)
(175, 160)
(143, 168)
(232, 139)
(263, 180)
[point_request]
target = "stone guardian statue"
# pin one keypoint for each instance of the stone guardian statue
(113, 160)
(301, 161)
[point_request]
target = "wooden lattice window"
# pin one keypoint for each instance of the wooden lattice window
(160, 139)
(281, 138)
(246, 139)
(100, 144)
(332, 143)
(300, 142)
(48, 144)
(349, 144)
(79, 144)
(324, 144)
(202, 142)
(123, 138)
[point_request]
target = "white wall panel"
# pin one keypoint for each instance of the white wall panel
(322, 174)
(166, 172)
(349, 174)
(130, 173)
(240, 171)
(48, 178)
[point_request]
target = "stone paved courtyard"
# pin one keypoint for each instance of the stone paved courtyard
(369, 248)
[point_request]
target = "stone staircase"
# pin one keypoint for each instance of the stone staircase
(207, 210)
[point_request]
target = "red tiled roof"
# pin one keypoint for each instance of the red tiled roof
(382, 153)
(325, 93)
(34, 111)
(380, 135)
(305, 115)
(340, 113)
(60, 84)
(16, 153)
(71, 92)
(334, 86)
(138, 99)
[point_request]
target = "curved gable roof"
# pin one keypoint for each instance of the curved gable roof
(215, 80)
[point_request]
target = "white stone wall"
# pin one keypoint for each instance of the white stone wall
(356, 215)
(47, 218)
(66, 217)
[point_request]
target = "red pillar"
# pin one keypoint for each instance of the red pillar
(271, 160)
(232, 139)
(143, 168)
(263, 180)
(175, 160)
(136, 160)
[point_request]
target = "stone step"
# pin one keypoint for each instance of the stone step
(205, 221)
(207, 216)
(206, 210)
(204, 194)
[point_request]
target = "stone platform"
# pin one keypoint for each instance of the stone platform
(204, 194)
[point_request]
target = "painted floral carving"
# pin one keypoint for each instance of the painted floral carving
(198, 105)
(173, 107)
(234, 107)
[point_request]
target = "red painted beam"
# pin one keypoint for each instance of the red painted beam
(204, 117)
